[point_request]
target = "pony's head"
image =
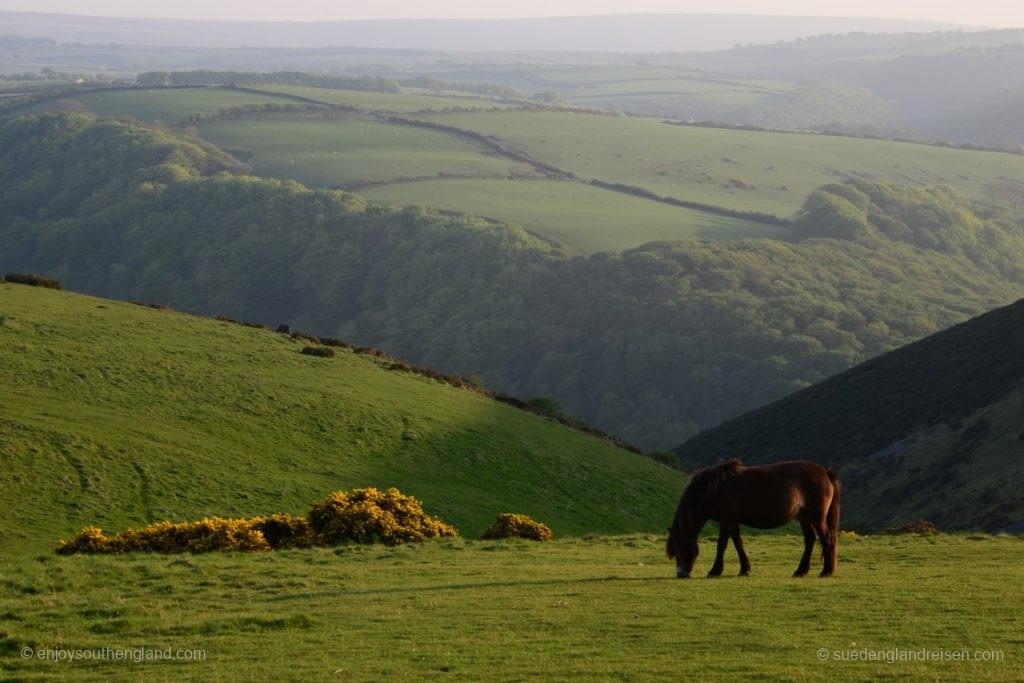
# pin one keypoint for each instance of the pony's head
(682, 547)
(692, 514)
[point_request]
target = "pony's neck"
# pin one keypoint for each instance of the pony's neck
(692, 521)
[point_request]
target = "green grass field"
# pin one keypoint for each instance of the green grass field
(599, 608)
(166, 105)
(584, 218)
(112, 414)
(326, 153)
(709, 165)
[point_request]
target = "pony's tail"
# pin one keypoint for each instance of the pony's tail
(832, 516)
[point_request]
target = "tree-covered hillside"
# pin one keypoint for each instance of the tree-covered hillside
(652, 344)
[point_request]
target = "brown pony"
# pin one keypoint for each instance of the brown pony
(763, 497)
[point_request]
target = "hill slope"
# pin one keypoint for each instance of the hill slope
(933, 429)
(114, 414)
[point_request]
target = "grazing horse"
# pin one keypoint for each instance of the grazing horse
(763, 497)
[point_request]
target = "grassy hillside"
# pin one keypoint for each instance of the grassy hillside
(513, 611)
(932, 429)
(115, 415)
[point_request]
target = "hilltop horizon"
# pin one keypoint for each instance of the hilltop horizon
(639, 32)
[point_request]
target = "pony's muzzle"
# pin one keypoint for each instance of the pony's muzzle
(682, 573)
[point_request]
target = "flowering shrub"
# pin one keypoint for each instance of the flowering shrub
(517, 526)
(285, 531)
(362, 515)
(369, 515)
(213, 533)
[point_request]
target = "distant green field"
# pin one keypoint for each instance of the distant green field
(112, 414)
(586, 219)
(167, 105)
(409, 101)
(707, 164)
(325, 153)
(599, 608)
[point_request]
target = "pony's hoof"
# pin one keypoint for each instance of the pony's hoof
(744, 573)
(799, 574)
(824, 575)
(712, 575)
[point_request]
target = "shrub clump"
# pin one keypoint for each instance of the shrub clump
(321, 351)
(362, 515)
(285, 531)
(33, 280)
(213, 533)
(517, 526)
(369, 515)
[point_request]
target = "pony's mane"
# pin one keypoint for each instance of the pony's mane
(710, 478)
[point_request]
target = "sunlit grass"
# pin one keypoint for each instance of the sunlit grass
(600, 607)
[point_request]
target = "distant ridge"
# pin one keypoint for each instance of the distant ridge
(641, 33)
(943, 377)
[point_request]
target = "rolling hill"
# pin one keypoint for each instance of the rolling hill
(115, 414)
(652, 344)
(583, 181)
(934, 429)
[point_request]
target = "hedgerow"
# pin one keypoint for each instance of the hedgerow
(33, 280)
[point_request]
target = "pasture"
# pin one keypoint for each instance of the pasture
(583, 218)
(743, 170)
(593, 607)
(326, 152)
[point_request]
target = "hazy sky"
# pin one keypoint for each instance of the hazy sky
(1004, 13)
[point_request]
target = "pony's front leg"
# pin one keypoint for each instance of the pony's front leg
(723, 543)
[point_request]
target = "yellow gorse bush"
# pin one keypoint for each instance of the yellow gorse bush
(212, 533)
(361, 516)
(511, 525)
(370, 515)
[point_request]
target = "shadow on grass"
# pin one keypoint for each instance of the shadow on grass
(466, 586)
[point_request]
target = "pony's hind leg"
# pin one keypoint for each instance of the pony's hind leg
(723, 543)
(744, 560)
(805, 561)
(827, 548)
